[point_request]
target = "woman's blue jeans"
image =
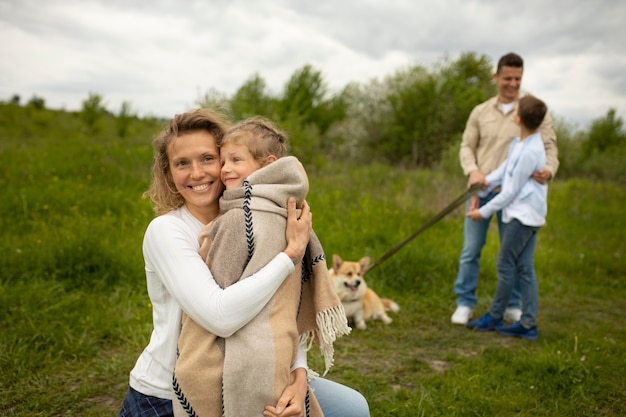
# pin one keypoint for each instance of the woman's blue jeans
(515, 265)
(335, 399)
(339, 400)
(474, 239)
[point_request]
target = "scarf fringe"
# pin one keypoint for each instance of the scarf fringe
(331, 324)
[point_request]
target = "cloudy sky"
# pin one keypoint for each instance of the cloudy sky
(162, 55)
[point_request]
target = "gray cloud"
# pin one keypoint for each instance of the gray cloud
(160, 55)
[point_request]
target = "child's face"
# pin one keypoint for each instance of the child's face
(237, 164)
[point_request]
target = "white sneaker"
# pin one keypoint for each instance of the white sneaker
(462, 315)
(512, 314)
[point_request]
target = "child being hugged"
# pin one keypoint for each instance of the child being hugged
(241, 374)
(523, 202)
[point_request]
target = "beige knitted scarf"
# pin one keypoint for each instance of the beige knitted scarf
(240, 375)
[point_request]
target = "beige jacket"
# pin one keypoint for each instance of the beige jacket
(489, 133)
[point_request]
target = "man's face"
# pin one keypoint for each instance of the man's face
(508, 80)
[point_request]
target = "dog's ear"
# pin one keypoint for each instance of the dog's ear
(337, 261)
(365, 263)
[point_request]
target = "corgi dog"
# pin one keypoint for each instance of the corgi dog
(360, 302)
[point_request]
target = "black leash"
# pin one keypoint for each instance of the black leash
(459, 200)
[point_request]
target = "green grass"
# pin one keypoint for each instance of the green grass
(74, 313)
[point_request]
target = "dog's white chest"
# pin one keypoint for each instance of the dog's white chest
(352, 307)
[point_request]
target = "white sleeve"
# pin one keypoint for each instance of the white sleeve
(494, 178)
(301, 359)
(171, 252)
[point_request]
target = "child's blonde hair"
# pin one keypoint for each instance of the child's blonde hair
(260, 136)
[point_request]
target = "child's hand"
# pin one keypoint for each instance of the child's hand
(474, 203)
(474, 214)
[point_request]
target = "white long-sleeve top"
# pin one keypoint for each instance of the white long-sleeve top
(178, 279)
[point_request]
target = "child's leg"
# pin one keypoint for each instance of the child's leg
(512, 244)
(527, 277)
(506, 268)
(516, 294)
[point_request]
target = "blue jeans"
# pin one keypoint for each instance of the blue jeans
(335, 399)
(515, 265)
(339, 400)
(474, 238)
(137, 404)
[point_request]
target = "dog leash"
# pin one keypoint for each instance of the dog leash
(459, 200)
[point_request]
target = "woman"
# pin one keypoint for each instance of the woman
(185, 191)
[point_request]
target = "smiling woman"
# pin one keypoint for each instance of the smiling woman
(185, 191)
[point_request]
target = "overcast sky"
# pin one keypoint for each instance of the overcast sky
(162, 55)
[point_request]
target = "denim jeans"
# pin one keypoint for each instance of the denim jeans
(339, 400)
(335, 399)
(515, 264)
(474, 238)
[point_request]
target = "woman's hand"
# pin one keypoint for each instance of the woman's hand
(291, 402)
(298, 230)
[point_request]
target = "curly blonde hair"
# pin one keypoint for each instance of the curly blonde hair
(162, 191)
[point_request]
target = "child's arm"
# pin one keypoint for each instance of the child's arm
(494, 179)
(518, 177)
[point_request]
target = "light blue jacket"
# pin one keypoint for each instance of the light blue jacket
(521, 197)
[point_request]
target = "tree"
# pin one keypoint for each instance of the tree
(305, 98)
(214, 99)
(428, 108)
(356, 136)
(605, 133)
(466, 82)
(303, 92)
(92, 110)
(37, 102)
(412, 133)
(124, 118)
(306, 112)
(251, 99)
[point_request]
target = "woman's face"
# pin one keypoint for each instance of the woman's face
(195, 167)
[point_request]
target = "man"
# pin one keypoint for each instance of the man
(488, 134)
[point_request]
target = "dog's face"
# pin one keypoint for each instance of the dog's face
(348, 278)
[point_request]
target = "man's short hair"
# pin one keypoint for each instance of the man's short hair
(510, 60)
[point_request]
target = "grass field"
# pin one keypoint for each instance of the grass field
(74, 313)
